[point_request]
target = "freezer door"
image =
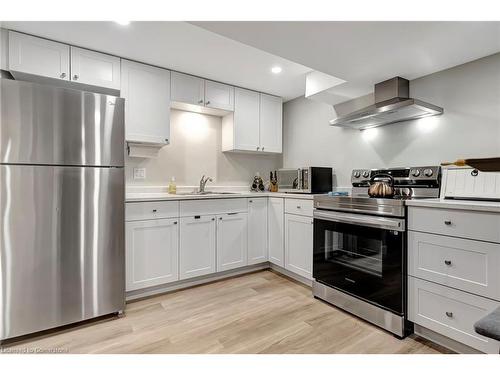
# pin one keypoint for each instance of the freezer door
(43, 124)
(61, 246)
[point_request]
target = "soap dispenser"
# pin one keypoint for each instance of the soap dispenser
(172, 187)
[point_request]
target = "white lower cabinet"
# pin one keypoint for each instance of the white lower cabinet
(152, 248)
(299, 244)
(257, 230)
(450, 312)
(232, 242)
(197, 246)
(276, 231)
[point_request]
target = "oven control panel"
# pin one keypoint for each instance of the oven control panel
(406, 176)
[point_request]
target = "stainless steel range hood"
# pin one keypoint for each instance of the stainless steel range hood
(392, 104)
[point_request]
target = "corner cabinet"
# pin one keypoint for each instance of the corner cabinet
(231, 241)
(299, 245)
(257, 230)
(255, 125)
(152, 248)
(146, 90)
(276, 230)
(270, 123)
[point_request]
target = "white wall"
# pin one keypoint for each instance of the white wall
(470, 126)
(195, 150)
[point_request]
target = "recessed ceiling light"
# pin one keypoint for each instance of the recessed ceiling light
(123, 23)
(276, 69)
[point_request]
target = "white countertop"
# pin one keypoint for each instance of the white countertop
(162, 196)
(456, 204)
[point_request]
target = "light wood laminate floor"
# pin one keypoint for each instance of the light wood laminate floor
(262, 312)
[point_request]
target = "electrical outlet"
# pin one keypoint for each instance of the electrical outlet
(139, 173)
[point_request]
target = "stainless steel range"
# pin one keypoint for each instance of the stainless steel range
(359, 261)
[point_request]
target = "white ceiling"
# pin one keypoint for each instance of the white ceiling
(179, 46)
(242, 53)
(364, 53)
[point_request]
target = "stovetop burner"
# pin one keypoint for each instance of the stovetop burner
(409, 183)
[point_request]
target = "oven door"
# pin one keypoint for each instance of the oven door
(362, 255)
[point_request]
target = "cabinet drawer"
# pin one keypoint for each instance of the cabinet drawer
(299, 206)
(467, 224)
(151, 210)
(450, 312)
(213, 206)
(468, 265)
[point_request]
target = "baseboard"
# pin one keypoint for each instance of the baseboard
(448, 343)
(183, 284)
(291, 275)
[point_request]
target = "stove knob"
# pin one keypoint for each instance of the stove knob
(356, 174)
(366, 174)
(415, 172)
(428, 172)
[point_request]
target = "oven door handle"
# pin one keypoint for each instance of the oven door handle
(362, 220)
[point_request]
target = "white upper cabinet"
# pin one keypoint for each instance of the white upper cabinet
(232, 242)
(219, 96)
(255, 125)
(152, 251)
(240, 130)
(28, 54)
(257, 230)
(188, 89)
(271, 109)
(146, 90)
(94, 68)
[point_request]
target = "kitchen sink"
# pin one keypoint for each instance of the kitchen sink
(207, 193)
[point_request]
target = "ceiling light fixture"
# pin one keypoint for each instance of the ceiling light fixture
(276, 69)
(123, 23)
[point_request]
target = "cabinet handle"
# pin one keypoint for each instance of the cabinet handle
(200, 101)
(63, 75)
(166, 140)
(220, 218)
(298, 207)
(197, 217)
(447, 262)
(154, 211)
(213, 218)
(208, 102)
(262, 148)
(447, 222)
(449, 314)
(75, 77)
(258, 148)
(250, 201)
(175, 222)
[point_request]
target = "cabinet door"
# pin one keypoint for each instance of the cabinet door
(187, 89)
(246, 120)
(146, 90)
(276, 233)
(94, 68)
(271, 123)
(152, 250)
(231, 241)
(218, 95)
(257, 230)
(29, 54)
(197, 249)
(299, 245)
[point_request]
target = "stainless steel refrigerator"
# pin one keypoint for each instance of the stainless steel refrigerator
(62, 251)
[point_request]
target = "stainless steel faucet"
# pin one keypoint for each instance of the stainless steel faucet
(203, 182)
